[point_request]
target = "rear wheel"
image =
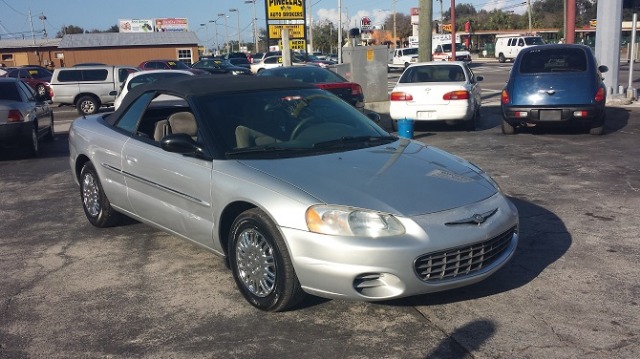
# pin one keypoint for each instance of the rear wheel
(50, 133)
(41, 90)
(95, 203)
(261, 265)
(507, 128)
(88, 105)
(596, 130)
(32, 145)
(501, 58)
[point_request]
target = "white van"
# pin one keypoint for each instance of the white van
(508, 46)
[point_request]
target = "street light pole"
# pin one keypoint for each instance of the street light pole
(226, 34)
(206, 27)
(238, 13)
(215, 24)
(255, 25)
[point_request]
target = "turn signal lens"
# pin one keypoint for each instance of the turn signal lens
(600, 95)
(505, 97)
(400, 96)
(456, 95)
(15, 116)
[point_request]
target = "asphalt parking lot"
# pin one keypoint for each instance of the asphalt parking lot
(69, 290)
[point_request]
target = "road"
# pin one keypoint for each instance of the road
(69, 290)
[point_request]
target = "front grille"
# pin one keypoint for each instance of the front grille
(464, 261)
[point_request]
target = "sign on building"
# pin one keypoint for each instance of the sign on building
(171, 24)
(295, 31)
(285, 10)
(135, 25)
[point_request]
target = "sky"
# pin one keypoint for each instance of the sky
(19, 17)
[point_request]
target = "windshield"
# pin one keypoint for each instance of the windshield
(178, 65)
(533, 41)
(447, 47)
(411, 51)
(286, 123)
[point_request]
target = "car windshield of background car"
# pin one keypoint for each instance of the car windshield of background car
(286, 123)
(178, 65)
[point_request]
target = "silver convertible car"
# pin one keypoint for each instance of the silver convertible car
(297, 190)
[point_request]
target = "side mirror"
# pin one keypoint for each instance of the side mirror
(603, 68)
(479, 78)
(183, 144)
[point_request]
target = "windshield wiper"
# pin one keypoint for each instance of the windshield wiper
(355, 140)
(264, 149)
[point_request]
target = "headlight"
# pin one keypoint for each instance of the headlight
(235, 72)
(347, 221)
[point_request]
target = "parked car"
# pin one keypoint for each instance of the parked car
(291, 185)
(437, 91)
(240, 62)
(314, 60)
(169, 65)
(271, 62)
(88, 88)
(25, 116)
(325, 79)
(217, 66)
(257, 57)
(36, 77)
(146, 77)
(555, 84)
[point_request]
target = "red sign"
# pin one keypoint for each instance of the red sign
(414, 11)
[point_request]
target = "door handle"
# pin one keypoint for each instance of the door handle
(131, 160)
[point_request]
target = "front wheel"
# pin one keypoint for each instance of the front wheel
(502, 59)
(261, 265)
(95, 203)
(32, 145)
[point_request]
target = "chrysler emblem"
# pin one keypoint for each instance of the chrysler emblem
(476, 219)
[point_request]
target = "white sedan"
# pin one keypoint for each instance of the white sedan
(272, 62)
(437, 91)
(146, 77)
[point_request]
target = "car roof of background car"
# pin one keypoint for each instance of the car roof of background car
(205, 85)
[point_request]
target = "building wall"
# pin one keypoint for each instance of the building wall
(126, 56)
(54, 57)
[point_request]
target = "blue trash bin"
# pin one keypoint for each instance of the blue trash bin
(405, 128)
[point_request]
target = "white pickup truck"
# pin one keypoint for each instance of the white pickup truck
(401, 58)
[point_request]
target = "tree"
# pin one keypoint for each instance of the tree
(404, 29)
(325, 37)
(71, 29)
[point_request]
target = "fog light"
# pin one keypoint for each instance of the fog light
(580, 113)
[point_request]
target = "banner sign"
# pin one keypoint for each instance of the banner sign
(295, 31)
(285, 9)
(135, 25)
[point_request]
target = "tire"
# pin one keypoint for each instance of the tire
(502, 59)
(596, 130)
(51, 132)
(41, 90)
(95, 203)
(32, 144)
(394, 125)
(470, 124)
(507, 128)
(260, 263)
(88, 105)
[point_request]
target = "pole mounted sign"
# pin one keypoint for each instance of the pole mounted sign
(290, 15)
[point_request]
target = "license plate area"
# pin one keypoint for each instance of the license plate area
(550, 115)
(426, 115)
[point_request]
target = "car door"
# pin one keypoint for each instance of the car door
(474, 86)
(168, 189)
(41, 109)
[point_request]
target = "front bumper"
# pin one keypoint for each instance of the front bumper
(386, 268)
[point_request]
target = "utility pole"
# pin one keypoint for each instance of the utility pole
(33, 35)
(425, 29)
(453, 30)
(395, 39)
(339, 31)
(529, 12)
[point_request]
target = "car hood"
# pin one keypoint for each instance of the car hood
(552, 89)
(403, 178)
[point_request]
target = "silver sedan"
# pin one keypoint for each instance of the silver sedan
(299, 192)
